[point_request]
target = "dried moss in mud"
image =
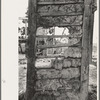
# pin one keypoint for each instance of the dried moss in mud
(48, 22)
(53, 73)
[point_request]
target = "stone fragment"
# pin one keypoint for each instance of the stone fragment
(72, 52)
(58, 64)
(43, 96)
(48, 73)
(76, 62)
(56, 93)
(43, 63)
(75, 30)
(70, 73)
(73, 41)
(72, 96)
(75, 85)
(68, 52)
(48, 84)
(67, 63)
(77, 52)
(63, 97)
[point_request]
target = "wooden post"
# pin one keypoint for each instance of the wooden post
(31, 74)
(94, 7)
(85, 51)
(91, 38)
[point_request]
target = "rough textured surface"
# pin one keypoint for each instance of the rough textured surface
(61, 41)
(73, 96)
(58, 63)
(73, 52)
(71, 62)
(43, 96)
(60, 21)
(62, 9)
(53, 73)
(61, 76)
(57, 84)
(84, 90)
(61, 94)
(75, 30)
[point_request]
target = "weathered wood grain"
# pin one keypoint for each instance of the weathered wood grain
(59, 1)
(85, 51)
(58, 45)
(31, 74)
(91, 38)
(57, 36)
(55, 56)
(85, 41)
(84, 90)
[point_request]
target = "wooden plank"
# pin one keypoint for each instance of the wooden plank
(62, 25)
(56, 56)
(50, 56)
(59, 89)
(53, 14)
(58, 36)
(85, 51)
(56, 46)
(57, 78)
(54, 68)
(31, 74)
(56, 3)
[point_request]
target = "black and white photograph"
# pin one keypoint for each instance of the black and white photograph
(57, 44)
(58, 50)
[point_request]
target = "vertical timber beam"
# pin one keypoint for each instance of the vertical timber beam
(94, 7)
(85, 51)
(31, 74)
(91, 38)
